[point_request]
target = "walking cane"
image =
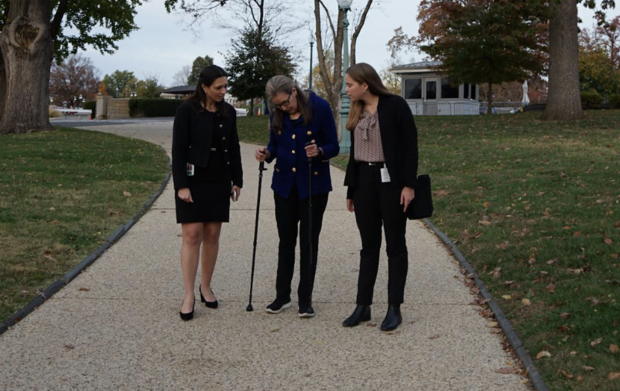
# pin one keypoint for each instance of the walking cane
(310, 206)
(261, 168)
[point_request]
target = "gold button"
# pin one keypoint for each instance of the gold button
(221, 126)
(279, 132)
(226, 150)
(316, 173)
(293, 137)
(277, 169)
(223, 138)
(293, 151)
(309, 133)
(294, 169)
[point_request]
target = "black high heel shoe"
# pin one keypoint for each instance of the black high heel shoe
(189, 315)
(209, 304)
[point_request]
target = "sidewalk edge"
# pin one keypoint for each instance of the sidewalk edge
(57, 285)
(511, 335)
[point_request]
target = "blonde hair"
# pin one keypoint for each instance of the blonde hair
(278, 84)
(364, 73)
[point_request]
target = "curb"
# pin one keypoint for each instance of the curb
(511, 335)
(57, 285)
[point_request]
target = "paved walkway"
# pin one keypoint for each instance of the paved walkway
(116, 326)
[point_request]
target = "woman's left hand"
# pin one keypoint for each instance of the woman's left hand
(406, 196)
(237, 189)
(312, 150)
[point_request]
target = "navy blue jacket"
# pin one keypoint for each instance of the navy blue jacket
(288, 148)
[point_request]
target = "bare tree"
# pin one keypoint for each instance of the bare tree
(75, 76)
(333, 85)
(180, 78)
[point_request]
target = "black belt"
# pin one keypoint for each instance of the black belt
(378, 164)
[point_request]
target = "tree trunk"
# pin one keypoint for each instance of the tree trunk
(2, 85)
(27, 48)
(564, 101)
(251, 111)
(490, 99)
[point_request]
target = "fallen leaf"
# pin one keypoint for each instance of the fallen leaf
(507, 297)
(573, 353)
(566, 374)
(608, 241)
(577, 234)
(126, 194)
(524, 381)
(614, 375)
(48, 256)
(543, 353)
(484, 222)
(564, 328)
(552, 261)
(434, 336)
(526, 302)
(566, 227)
(69, 346)
(54, 222)
(275, 330)
(579, 378)
(587, 368)
(550, 288)
(565, 315)
(84, 289)
(596, 342)
(492, 325)
(505, 371)
(614, 349)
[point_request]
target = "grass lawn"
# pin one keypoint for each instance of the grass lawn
(61, 195)
(535, 207)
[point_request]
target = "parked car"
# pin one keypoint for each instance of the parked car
(241, 112)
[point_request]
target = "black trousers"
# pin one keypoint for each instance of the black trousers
(290, 212)
(378, 204)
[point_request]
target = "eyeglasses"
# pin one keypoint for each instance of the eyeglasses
(284, 102)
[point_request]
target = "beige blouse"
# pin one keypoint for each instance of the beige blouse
(368, 146)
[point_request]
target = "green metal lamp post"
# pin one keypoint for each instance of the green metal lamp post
(345, 137)
(310, 76)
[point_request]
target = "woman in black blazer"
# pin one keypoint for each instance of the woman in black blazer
(381, 176)
(206, 168)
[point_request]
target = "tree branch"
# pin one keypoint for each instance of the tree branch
(60, 14)
(358, 30)
(329, 19)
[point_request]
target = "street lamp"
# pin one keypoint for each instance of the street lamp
(80, 101)
(310, 77)
(345, 137)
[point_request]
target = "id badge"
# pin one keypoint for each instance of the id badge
(385, 175)
(190, 169)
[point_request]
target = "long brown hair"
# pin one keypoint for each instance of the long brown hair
(364, 73)
(207, 77)
(278, 84)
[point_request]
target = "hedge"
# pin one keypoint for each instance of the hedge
(153, 107)
(591, 100)
(92, 105)
(614, 101)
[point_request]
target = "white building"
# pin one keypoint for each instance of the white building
(428, 93)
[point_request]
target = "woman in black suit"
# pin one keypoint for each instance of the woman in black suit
(381, 177)
(206, 168)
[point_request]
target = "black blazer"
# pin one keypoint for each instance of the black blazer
(191, 142)
(399, 137)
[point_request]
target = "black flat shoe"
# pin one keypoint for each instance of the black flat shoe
(209, 304)
(393, 318)
(361, 314)
(187, 316)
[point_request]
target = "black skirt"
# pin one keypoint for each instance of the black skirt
(210, 188)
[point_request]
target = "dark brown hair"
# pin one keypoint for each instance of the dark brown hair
(207, 77)
(278, 84)
(364, 73)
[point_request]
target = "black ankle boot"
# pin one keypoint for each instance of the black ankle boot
(361, 314)
(393, 318)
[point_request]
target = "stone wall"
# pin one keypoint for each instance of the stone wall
(118, 108)
(112, 108)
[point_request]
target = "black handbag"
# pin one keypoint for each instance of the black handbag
(422, 205)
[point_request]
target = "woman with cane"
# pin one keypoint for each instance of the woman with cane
(381, 176)
(206, 168)
(302, 127)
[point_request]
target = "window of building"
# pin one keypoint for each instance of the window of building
(413, 88)
(473, 92)
(466, 91)
(449, 91)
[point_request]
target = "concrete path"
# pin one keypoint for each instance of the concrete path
(116, 326)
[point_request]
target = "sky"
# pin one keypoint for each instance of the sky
(163, 44)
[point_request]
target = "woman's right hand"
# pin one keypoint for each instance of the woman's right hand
(262, 154)
(185, 194)
(350, 207)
